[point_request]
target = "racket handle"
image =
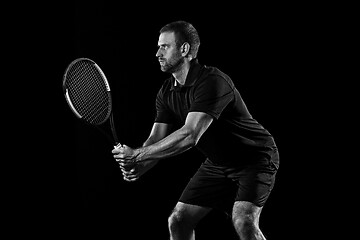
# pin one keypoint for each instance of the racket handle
(117, 145)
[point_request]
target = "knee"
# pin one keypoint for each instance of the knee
(176, 221)
(245, 223)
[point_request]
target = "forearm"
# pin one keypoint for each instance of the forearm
(174, 144)
(151, 140)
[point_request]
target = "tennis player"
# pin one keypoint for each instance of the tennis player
(199, 106)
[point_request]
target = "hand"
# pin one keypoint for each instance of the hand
(134, 172)
(125, 155)
(126, 158)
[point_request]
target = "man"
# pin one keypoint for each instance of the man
(199, 106)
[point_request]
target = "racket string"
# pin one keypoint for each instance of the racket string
(89, 92)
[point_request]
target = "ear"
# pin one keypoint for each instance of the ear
(185, 48)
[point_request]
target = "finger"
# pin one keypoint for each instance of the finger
(115, 150)
(126, 167)
(128, 179)
(123, 157)
(125, 171)
(129, 174)
(131, 180)
(125, 163)
(118, 150)
(119, 157)
(121, 161)
(129, 170)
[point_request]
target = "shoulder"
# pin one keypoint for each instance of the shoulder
(215, 77)
(165, 87)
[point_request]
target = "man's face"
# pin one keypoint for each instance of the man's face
(169, 56)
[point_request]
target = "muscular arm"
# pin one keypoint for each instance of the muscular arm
(179, 141)
(158, 132)
(132, 171)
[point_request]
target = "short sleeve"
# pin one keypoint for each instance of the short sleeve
(163, 113)
(212, 96)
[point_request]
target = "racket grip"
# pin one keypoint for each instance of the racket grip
(117, 145)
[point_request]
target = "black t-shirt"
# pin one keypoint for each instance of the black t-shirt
(234, 136)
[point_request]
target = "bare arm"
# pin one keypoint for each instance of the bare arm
(158, 132)
(135, 162)
(132, 171)
(179, 141)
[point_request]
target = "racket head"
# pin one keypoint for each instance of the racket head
(87, 91)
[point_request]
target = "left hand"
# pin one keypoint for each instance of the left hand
(124, 155)
(126, 158)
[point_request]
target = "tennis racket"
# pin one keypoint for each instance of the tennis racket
(88, 95)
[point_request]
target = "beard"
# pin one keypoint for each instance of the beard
(173, 64)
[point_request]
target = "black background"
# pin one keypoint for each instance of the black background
(67, 178)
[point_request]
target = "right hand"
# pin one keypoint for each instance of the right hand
(131, 170)
(134, 172)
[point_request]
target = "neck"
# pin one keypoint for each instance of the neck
(180, 76)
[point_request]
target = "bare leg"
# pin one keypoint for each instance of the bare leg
(184, 219)
(246, 217)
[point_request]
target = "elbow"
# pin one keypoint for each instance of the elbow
(195, 140)
(192, 139)
(191, 142)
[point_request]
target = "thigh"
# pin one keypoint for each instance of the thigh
(210, 188)
(255, 187)
(254, 182)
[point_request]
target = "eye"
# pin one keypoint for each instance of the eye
(163, 47)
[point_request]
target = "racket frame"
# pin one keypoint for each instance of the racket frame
(109, 115)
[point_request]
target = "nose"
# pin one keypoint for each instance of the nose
(158, 53)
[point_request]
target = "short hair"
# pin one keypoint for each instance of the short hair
(184, 32)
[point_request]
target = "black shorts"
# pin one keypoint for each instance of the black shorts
(218, 186)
